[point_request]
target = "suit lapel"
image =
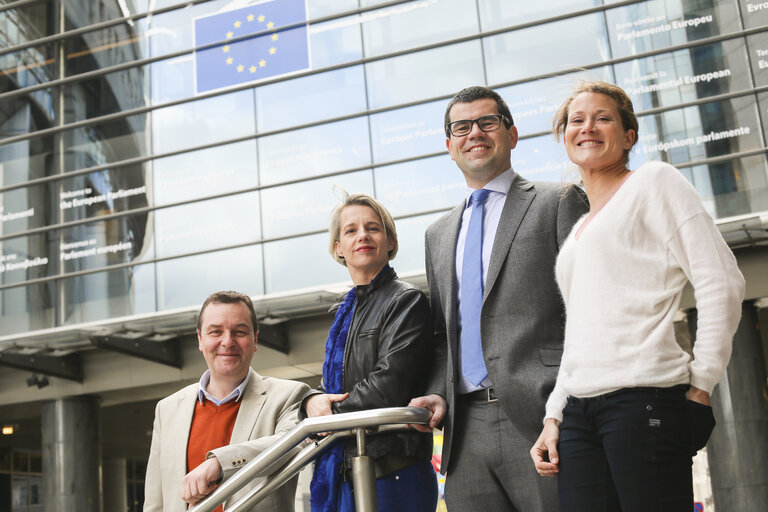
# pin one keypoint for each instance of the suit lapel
(445, 271)
(519, 198)
(253, 401)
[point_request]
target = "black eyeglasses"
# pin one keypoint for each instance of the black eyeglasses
(489, 123)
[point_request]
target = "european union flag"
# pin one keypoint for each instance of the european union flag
(273, 50)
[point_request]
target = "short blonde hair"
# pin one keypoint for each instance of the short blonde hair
(616, 93)
(362, 200)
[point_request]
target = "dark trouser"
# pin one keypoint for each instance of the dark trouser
(411, 489)
(631, 450)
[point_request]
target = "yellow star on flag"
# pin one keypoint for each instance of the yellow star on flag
(229, 60)
(270, 25)
(261, 19)
(272, 50)
(274, 37)
(240, 68)
(250, 17)
(229, 35)
(237, 24)
(262, 63)
(252, 69)
(226, 48)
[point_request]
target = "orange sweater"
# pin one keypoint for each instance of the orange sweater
(211, 428)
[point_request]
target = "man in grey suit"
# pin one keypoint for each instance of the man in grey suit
(207, 431)
(498, 314)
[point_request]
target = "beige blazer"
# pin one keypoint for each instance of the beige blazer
(269, 409)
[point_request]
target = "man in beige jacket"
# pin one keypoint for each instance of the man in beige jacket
(192, 450)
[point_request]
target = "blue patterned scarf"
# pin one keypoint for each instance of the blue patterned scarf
(324, 488)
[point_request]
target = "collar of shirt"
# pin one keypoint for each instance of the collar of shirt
(236, 394)
(500, 184)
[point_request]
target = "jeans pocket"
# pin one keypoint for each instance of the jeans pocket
(703, 422)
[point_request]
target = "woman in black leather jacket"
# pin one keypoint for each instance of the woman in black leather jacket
(377, 355)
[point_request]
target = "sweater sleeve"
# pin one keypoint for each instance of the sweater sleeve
(710, 266)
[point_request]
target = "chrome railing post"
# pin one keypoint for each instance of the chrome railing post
(364, 477)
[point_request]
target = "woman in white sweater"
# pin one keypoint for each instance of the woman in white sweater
(631, 407)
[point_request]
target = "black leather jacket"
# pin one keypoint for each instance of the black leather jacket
(387, 360)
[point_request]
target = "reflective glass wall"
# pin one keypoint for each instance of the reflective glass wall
(149, 156)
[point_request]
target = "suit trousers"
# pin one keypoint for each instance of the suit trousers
(410, 489)
(631, 450)
(490, 468)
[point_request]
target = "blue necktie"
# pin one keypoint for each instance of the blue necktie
(471, 300)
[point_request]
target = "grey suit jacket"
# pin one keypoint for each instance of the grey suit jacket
(523, 317)
(269, 409)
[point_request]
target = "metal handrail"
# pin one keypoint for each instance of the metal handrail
(342, 425)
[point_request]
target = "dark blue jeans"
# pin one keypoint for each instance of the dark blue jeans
(631, 450)
(411, 489)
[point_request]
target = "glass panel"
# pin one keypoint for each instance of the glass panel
(301, 262)
(316, 150)
(111, 141)
(172, 79)
(319, 8)
(208, 224)
(99, 49)
(27, 67)
(26, 257)
(542, 49)
(410, 237)
(658, 24)
(686, 75)
(754, 13)
(35, 463)
(27, 159)
(416, 24)
(203, 122)
(110, 294)
(25, 23)
(20, 462)
(102, 193)
(207, 172)
(335, 41)
(496, 14)
(188, 281)
(310, 98)
(408, 132)
(758, 57)
(27, 308)
(24, 208)
(533, 104)
(420, 185)
(306, 207)
(110, 242)
(107, 94)
(424, 75)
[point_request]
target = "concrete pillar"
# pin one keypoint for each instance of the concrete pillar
(71, 455)
(738, 448)
(115, 484)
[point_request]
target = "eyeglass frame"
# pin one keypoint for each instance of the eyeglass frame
(501, 117)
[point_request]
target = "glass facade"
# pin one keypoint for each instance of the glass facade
(127, 189)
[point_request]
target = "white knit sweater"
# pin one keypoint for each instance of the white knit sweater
(622, 281)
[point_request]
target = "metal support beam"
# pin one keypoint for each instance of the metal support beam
(273, 333)
(66, 367)
(162, 352)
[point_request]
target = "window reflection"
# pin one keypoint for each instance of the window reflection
(109, 294)
(426, 74)
(208, 224)
(311, 98)
(203, 122)
(543, 159)
(416, 24)
(205, 172)
(26, 257)
(408, 132)
(542, 49)
(107, 94)
(658, 24)
(27, 308)
(101, 193)
(24, 208)
(320, 149)
(685, 75)
(335, 41)
(237, 269)
(419, 186)
(320, 8)
(111, 141)
(305, 207)
(496, 14)
(757, 46)
(301, 262)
